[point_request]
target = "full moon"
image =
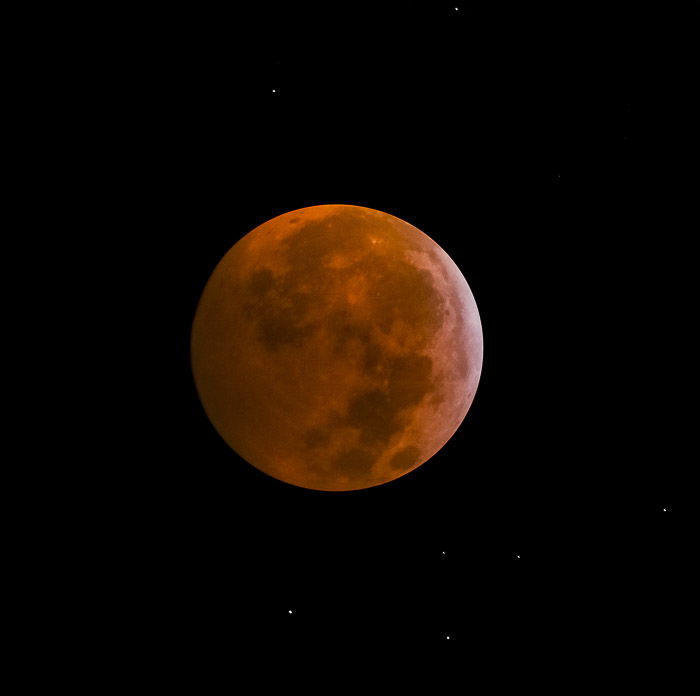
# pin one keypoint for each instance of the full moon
(336, 347)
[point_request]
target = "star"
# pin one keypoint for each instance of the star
(444, 553)
(290, 611)
(274, 91)
(664, 509)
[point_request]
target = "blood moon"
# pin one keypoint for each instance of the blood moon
(336, 347)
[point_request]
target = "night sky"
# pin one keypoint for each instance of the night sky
(549, 154)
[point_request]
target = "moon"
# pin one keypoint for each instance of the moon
(336, 347)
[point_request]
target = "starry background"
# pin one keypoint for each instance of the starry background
(548, 152)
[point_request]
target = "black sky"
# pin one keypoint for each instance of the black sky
(549, 154)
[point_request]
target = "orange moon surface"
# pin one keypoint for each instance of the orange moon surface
(336, 347)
